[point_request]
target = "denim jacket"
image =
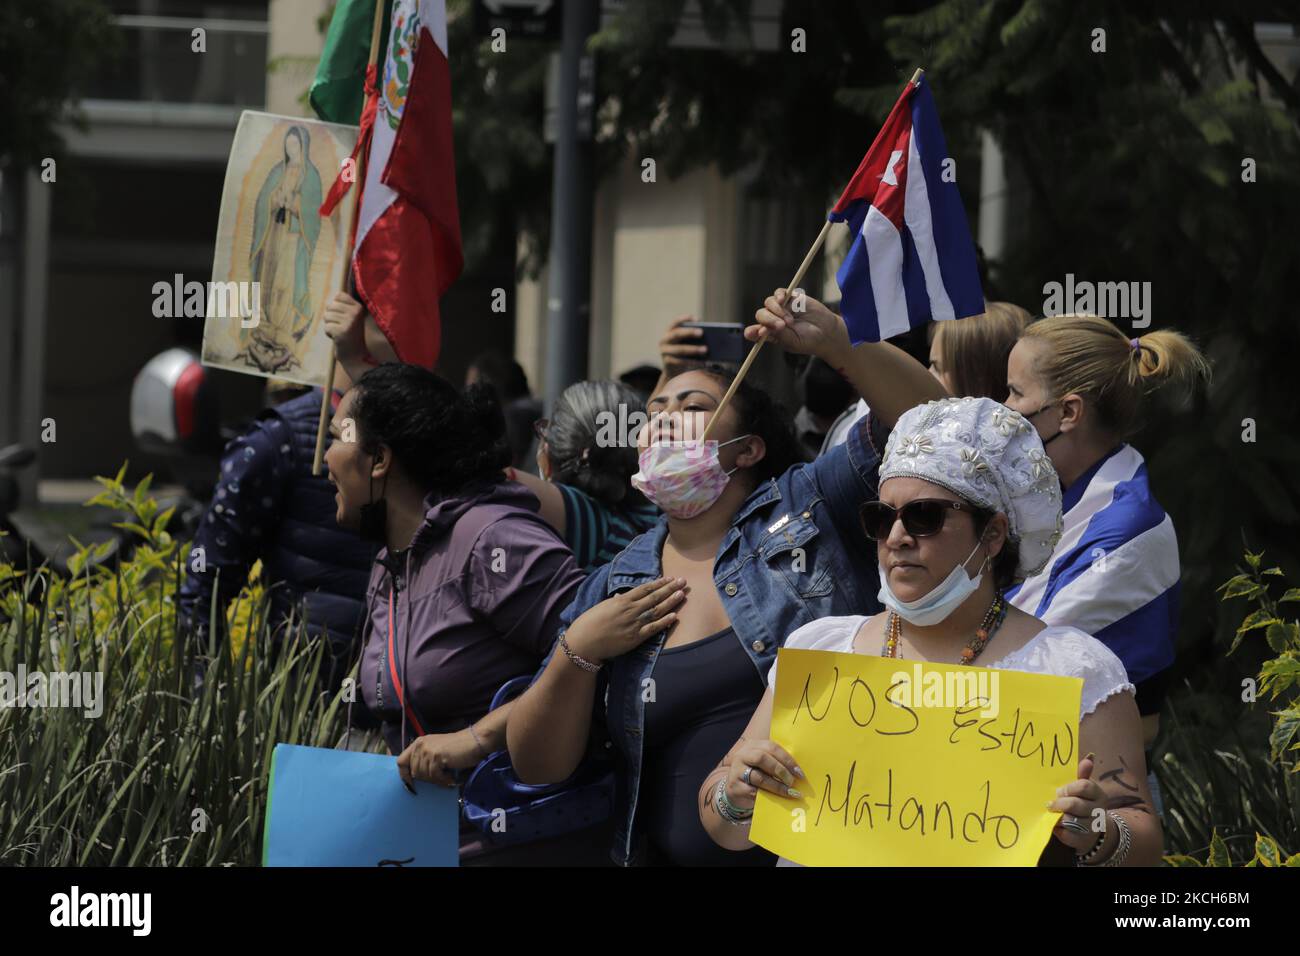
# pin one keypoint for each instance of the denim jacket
(794, 552)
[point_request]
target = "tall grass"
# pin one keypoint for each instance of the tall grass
(173, 772)
(1221, 779)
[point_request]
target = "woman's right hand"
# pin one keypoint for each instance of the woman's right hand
(345, 323)
(681, 344)
(773, 770)
(804, 327)
(624, 621)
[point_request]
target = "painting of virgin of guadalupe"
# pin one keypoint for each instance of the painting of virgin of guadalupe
(286, 226)
(277, 259)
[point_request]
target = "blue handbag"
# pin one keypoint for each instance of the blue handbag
(509, 812)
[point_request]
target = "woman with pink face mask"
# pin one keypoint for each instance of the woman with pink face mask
(662, 656)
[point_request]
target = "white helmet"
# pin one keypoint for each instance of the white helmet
(174, 405)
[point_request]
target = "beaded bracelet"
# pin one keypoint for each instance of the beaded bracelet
(479, 743)
(1119, 854)
(582, 662)
(733, 814)
(1085, 859)
(725, 808)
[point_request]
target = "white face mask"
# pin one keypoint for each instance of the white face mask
(938, 603)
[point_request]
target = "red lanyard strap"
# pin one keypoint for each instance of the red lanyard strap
(392, 671)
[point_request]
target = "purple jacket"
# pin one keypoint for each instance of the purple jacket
(476, 601)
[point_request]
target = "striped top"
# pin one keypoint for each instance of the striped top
(1114, 573)
(596, 531)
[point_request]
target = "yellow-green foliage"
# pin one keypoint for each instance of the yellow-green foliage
(172, 772)
(1267, 853)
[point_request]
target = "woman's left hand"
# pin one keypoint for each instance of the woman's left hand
(434, 756)
(1080, 799)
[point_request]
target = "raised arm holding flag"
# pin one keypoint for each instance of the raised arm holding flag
(407, 249)
(912, 258)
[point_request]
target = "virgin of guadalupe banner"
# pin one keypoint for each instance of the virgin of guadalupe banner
(912, 763)
(277, 260)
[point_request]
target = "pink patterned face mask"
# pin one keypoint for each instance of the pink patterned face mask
(683, 478)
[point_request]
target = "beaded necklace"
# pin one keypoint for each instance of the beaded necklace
(993, 619)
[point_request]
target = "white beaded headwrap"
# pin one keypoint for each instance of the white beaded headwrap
(992, 457)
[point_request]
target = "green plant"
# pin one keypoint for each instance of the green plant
(1217, 775)
(168, 773)
(1266, 854)
(1281, 674)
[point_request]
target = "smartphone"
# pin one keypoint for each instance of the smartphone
(724, 340)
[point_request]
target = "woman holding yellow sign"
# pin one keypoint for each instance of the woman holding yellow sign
(969, 505)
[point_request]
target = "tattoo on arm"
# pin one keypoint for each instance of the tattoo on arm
(1127, 802)
(1118, 776)
(1131, 800)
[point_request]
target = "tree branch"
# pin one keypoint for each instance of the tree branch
(1174, 58)
(1245, 39)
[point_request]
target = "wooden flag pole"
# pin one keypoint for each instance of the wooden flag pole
(790, 287)
(754, 349)
(355, 199)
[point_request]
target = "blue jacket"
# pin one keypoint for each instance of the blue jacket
(795, 552)
(269, 506)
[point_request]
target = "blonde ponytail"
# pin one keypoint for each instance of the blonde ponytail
(1166, 357)
(1089, 356)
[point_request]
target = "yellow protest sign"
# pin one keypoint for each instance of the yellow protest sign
(917, 764)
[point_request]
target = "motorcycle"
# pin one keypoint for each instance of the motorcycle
(175, 416)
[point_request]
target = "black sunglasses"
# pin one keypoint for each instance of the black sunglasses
(921, 517)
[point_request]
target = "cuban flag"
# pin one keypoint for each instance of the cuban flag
(1114, 573)
(912, 258)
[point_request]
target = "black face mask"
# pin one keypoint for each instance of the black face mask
(1043, 408)
(374, 516)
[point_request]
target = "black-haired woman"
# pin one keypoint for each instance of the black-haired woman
(586, 457)
(667, 647)
(468, 588)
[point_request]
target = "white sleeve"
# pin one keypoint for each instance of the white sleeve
(1070, 652)
(823, 634)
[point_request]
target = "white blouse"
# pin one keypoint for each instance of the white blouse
(1064, 651)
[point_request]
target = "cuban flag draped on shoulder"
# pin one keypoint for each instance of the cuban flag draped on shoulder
(912, 258)
(1114, 573)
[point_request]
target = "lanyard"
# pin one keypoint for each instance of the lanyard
(392, 671)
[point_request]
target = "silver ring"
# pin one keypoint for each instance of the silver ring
(744, 777)
(1071, 822)
(646, 616)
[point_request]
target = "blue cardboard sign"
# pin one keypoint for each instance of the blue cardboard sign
(342, 808)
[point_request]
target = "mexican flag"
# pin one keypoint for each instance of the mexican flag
(408, 247)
